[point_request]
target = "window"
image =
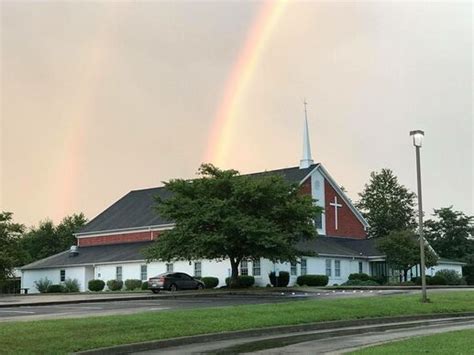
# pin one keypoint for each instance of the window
(337, 268)
(361, 269)
(293, 269)
(169, 267)
(244, 267)
(318, 220)
(197, 269)
(256, 268)
(328, 268)
(143, 272)
(304, 266)
(118, 273)
(62, 275)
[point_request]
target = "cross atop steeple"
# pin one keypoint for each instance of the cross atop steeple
(306, 160)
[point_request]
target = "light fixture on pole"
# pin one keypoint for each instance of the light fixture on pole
(418, 142)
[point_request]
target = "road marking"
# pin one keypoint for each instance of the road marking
(158, 308)
(7, 311)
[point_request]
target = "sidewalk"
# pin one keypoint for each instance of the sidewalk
(53, 299)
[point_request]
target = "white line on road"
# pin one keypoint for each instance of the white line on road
(8, 311)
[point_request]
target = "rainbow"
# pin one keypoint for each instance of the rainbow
(239, 79)
(79, 107)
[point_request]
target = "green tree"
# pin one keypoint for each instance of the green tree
(48, 239)
(10, 233)
(223, 215)
(387, 205)
(451, 233)
(402, 251)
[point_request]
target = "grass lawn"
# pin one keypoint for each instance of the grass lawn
(458, 342)
(67, 335)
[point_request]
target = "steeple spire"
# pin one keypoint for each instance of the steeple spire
(306, 160)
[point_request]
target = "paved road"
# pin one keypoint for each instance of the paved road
(163, 304)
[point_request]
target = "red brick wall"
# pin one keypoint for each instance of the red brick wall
(117, 238)
(348, 224)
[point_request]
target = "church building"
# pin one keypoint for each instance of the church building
(110, 246)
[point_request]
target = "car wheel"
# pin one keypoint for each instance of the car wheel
(200, 287)
(155, 291)
(173, 288)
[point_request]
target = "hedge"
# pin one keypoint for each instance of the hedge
(359, 276)
(210, 281)
(114, 285)
(96, 285)
(243, 281)
(468, 272)
(360, 283)
(133, 284)
(145, 285)
(55, 289)
(281, 281)
(312, 280)
(450, 276)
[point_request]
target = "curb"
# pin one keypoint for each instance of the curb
(148, 297)
(384, 322)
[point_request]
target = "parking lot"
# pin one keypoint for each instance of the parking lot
(111, 307)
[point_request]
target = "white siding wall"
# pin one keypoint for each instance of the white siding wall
(30, 276)
(441, 266)
(219, 269)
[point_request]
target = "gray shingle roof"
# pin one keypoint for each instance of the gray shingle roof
(135, 210)
(340, 246)
(93, 255)
(133, 252)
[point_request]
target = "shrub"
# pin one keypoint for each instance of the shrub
(55, 289)
(71, 285)
(312, 280)
(114, 285)
(281, 281)
(246, 281)
(451, 277)
(359, 276)
(468, 271)
(243, 281)
(379, 279)
(360, 283)
(43, 284)
(436, 280)
(96, 285)
(133, 284)
(145, 285)
(210, 281)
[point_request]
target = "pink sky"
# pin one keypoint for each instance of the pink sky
(100, 98)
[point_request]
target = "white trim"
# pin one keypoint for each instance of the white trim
(341, 193)
(125, 231)
(309, 174)
(89, 264)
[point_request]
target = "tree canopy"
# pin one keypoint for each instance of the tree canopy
(10, 233)
(47, 239)
(451, 233)
(402, 250)
(224, 215)
(386, 204)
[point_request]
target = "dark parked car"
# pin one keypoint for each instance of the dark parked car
(174, 281)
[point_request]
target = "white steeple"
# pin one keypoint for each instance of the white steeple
(306, 160)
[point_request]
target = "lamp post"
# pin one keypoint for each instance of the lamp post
(417, 142)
